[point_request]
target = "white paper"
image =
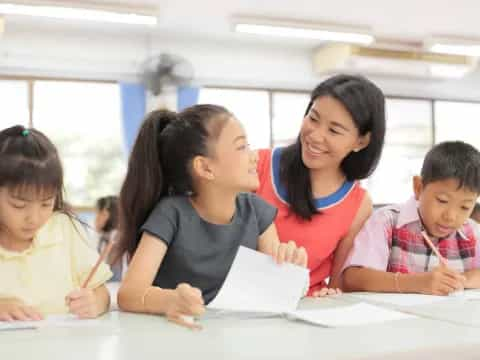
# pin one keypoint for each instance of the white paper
(352, 315)
(468, 295)
(255, 283)
(67, 320)
(17, 325)
(238, 315)
(399, 299)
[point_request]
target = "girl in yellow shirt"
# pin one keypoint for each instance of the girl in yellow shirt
(44, 257)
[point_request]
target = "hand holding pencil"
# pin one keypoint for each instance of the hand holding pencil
(442, 280)
(83, 302)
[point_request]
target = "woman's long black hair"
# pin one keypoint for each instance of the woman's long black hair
(366, 104)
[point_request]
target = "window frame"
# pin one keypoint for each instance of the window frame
(270, 91)
(31, 101)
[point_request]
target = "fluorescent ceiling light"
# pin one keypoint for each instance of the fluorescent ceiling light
(468, 50)
(74, 13)
(449, 71)
(454, 46)
(297, 30)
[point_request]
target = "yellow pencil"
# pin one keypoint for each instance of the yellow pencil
(103, 255)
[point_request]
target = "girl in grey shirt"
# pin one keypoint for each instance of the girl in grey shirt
(185, 208)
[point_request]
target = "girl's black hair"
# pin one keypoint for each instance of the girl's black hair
(110, 204)
(160, 163)
(366, 104)
(29, 160)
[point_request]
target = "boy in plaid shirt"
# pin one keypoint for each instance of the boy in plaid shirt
(390, 254)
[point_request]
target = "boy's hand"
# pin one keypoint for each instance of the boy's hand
(442, 280)
(10, 311)
(185, 302)
(83, 303)
(290, 253)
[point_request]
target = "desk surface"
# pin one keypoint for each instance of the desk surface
(132, 336)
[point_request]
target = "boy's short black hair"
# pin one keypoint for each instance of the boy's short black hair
(453, 160)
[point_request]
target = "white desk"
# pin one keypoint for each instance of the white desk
(455, 309)
(132, 336)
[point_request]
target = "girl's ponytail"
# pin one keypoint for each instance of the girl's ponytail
(160, 161)
(144, 183)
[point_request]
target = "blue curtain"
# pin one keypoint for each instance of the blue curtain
(187, 96)
(133, 97)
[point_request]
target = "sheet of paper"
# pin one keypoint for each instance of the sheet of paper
(17, 325)
(399, 299)
(468, 295)
(352, 315)
(67, 320)
(255, 283)
(238, 315)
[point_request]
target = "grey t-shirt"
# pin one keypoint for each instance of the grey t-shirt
(200, 253)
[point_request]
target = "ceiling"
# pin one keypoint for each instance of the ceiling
(409, 21)
(201, 31)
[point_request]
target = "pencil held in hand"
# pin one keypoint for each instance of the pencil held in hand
(442, 260)
(106, 250)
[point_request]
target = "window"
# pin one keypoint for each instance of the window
(409, 132)
(408, 138)
(457, 121)
(83, 120)
(14, 109)
(251, 108)
(288, 112)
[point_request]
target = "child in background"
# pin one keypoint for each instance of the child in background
(476, 213)
(186, 207)
(390, 253)
(44, 257)
(106, 222)
(106, 219)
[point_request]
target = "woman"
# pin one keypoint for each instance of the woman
(314, 182)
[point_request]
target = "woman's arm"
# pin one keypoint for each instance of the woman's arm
(345, 245)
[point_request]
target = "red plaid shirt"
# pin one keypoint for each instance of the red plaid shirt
(391, 241)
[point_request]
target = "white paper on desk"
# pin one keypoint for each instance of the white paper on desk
(255, 283)
(351, 315)
(17, 325)
(237, 315)
(67, 320)
(399, 299)
(468, 295)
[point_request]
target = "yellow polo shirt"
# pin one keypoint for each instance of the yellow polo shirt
(56, 263)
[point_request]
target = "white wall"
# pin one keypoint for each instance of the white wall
(118, 56)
